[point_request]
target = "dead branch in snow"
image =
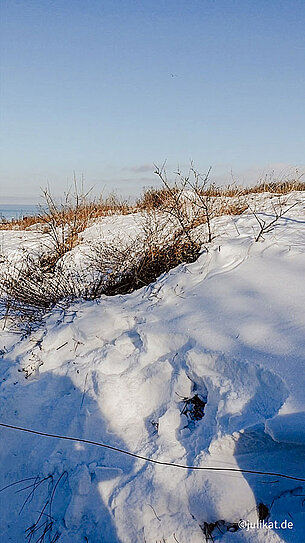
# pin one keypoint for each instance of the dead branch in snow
(279, 211)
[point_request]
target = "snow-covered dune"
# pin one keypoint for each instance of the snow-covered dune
(204, 368)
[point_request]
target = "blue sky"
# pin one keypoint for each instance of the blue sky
(107, 88)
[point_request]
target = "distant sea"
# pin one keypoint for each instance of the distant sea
(17, 211)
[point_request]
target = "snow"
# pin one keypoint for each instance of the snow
(228, 328)
(289, 428)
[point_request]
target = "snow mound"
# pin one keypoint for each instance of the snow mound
(289, 428)
(201, 368)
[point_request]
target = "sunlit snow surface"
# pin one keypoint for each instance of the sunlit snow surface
(229, 328)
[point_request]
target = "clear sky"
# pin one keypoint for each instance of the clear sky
(106, 88)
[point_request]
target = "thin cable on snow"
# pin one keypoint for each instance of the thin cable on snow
(145, 459)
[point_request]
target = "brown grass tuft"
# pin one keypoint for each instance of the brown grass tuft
(277, 187)
(19, 224)
(75, 209)
(151, 264)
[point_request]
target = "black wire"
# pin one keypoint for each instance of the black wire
(159, 462)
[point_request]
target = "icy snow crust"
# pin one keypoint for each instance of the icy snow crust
(229, 328)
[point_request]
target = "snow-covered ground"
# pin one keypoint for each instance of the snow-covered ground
(205, 367)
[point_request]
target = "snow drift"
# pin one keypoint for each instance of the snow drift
(204, 367)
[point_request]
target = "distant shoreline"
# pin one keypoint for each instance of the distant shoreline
(17, 211)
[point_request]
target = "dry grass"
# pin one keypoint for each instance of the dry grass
(132, 269)
(191, 200)
(277, 187)
(64, 221)
(168, 236)
(155, 198)
(18, 224)
(79, 211)
(233, 207)
(76, 208)
(29, 290)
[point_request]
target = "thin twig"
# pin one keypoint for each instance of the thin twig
(83, 396)
(158, 518)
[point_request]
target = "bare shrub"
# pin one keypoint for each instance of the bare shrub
(192, 200)
(36, 284)
(28, 290)
(179, 204)
(67, 219)
(168, 235)
(156, 198)
(279, 209)
(124, 267)
(153, 263)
